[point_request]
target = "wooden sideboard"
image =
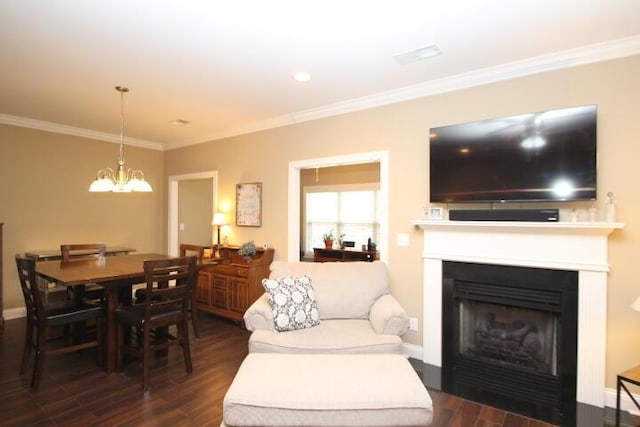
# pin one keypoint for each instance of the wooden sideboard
(343, 255)
(229, 284)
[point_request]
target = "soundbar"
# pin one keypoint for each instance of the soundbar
(533, 215)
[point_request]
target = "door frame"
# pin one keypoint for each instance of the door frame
(382, 157)
(174, 180)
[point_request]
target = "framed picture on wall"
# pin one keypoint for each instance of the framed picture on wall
(249, 204)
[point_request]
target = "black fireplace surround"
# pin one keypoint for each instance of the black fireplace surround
(510, 338)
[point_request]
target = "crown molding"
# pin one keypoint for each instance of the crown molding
(599, 52)
(74, 131)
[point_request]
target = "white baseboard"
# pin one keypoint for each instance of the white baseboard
(626, 404)
(14, 313)
(412, 350)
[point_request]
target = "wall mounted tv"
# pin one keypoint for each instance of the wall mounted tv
(544, 156)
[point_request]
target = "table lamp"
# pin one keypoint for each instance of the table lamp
(636, 304)
(218, 221)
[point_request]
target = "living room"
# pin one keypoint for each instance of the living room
(55, 166)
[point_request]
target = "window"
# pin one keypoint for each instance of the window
(349, 210)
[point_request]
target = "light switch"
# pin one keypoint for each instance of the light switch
(181, 227)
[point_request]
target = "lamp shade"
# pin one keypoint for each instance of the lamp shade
(101, 185)
(636, 304)
(218, 219)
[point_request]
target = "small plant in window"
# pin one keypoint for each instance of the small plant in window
(328, 239)
(248, 249)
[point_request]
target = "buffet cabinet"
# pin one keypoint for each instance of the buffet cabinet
(229, 284)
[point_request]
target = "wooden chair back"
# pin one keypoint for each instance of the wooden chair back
(83, 251)
(34, 298)
(197, 250)
(164, 304)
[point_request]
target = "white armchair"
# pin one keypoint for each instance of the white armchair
(357, 312)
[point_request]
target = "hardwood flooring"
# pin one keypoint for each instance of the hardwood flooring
(75, 392)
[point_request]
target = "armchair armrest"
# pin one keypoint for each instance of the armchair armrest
(259, 315)
(388, 317)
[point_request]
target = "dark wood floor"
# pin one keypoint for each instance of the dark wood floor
(76, 392)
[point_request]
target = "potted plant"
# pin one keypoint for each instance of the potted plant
(247, 250)
(328, 239)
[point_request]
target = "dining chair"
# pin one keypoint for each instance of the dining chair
(162, 307)
(82, 252)
(42, 319)
(185, 250)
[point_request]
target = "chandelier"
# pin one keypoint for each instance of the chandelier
(123, 180)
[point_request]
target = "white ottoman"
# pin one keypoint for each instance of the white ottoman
(272, 389)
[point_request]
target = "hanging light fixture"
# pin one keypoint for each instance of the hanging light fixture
(121, 181)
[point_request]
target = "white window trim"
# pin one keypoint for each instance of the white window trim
(294, 195)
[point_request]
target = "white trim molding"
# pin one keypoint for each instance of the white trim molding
(382, 157)
(598, 52)
(580, 247)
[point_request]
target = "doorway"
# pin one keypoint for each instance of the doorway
(294, 198)
(174, 204)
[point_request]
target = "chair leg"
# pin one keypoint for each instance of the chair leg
(194, 316)
(183, 333)
(119, 344)
(40, 356)
(146, 364)
(99, 341)
(28, 345)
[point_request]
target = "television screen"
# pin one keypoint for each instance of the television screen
(544, 156)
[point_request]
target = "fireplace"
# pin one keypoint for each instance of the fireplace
(510, 338)
(579, 248)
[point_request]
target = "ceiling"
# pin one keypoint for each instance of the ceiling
(227, 66)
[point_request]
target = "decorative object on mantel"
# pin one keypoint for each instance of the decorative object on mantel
(611, 208)
(121, 181)
(219, 220)
(434, 213)
(247, 250)
(328, 239)
(249, 204)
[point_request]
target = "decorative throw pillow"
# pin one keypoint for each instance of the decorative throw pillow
(293, 302)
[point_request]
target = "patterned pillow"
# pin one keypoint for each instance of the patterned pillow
(293, 302)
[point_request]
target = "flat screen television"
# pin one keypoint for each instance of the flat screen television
(544, 156)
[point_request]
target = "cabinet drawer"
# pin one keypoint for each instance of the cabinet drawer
(233, 271)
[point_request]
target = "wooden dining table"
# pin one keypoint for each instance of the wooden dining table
(117, 274)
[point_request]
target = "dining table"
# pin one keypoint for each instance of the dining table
(117, 274)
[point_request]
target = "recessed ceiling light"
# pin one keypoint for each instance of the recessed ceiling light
(417, 54)
(179, 122)
(302, 76)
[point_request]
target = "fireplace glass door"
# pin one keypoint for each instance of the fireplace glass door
(511, 336)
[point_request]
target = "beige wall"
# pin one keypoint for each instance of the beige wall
(403, 130)
(348, 174)
(44, 198)
(195, 211)
(53, 204)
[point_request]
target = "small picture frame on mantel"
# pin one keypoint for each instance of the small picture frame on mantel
(433, 213)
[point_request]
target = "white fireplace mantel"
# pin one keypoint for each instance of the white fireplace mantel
(574, 246)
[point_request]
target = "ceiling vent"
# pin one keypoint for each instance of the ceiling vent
(417, 54)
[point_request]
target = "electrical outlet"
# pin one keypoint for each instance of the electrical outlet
(413, 324)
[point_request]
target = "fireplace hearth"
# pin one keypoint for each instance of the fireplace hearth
(510, 338)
